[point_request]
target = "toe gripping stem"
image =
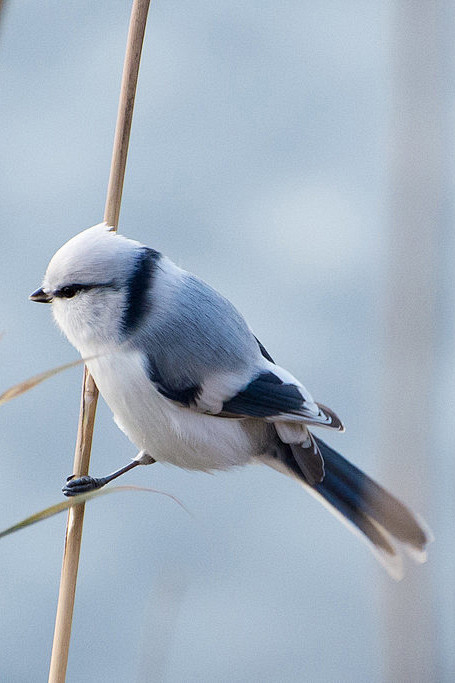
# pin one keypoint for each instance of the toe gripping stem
(75, 486)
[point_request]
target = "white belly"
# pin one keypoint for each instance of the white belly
(166, 431)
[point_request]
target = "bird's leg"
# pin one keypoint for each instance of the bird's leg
(74, 487)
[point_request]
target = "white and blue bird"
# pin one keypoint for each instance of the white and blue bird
(190, 384)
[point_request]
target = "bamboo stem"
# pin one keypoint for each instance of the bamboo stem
(63, 620)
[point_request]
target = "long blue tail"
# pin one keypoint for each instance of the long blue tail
(359, 500)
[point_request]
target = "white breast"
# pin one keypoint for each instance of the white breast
(165, 430)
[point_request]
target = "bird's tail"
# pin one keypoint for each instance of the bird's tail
(382, 519)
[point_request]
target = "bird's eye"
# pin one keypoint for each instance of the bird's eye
(69, 291)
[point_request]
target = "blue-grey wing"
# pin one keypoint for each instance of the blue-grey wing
(195, 342)
(201, 354)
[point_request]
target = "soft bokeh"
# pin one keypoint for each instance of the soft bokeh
(259, 159)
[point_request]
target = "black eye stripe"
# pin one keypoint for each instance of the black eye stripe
(69, 291)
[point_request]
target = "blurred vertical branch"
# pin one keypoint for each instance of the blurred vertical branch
(416, 195)
(63, 621)
(1, 13)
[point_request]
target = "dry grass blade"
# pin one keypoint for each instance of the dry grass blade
(26, 385)
(78, 500)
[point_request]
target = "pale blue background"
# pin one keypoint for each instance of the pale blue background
(258, 160)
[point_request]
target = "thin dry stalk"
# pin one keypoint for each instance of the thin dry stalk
(63, 621)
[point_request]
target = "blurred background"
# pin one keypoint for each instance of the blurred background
(299, 157)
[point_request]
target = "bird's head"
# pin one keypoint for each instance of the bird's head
(97, 284)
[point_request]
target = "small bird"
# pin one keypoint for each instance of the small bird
(190, 384)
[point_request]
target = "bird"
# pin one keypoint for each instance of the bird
(189, 384)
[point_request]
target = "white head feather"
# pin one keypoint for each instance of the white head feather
(96, 256)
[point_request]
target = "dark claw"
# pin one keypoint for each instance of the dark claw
(75, 487)
(70, 477)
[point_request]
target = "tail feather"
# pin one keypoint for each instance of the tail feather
(374, 501)
(339, 495)
(382, 519)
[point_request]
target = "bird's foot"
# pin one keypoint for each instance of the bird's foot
(74, 487)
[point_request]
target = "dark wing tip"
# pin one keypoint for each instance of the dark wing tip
(333, 420)
(264, 351)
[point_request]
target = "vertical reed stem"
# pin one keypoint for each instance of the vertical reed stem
(63, 620)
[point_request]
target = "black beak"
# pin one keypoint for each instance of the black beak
(41, 297)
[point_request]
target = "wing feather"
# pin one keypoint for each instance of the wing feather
(259, 389)
(271, 398)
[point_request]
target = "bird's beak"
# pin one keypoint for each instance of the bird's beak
(41, 296)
